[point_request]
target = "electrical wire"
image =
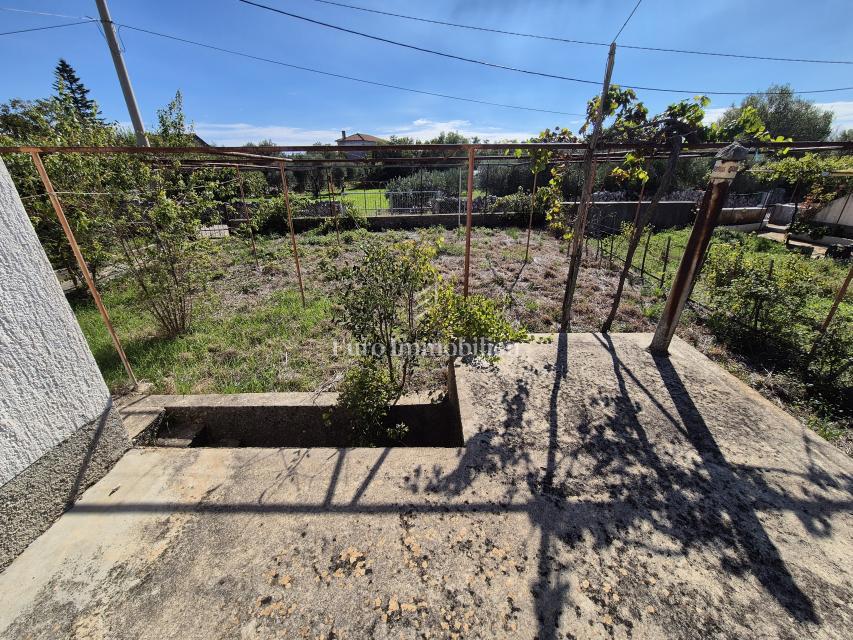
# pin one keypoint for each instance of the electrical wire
(54, 26)
(575, 41)
(627, 20)
(417, 48)
(346, 77)
(45, 13)
(520, 70)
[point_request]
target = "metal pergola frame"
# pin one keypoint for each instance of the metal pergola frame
(270, 157)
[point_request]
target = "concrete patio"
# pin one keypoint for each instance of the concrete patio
(601, 493)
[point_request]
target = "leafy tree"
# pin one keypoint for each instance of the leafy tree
(678, 123)
(66, 79)
(785, 114)
(166, 259)
(158, 236)
(172, 129)
(810, 175)
(58, 120)
(449, 137)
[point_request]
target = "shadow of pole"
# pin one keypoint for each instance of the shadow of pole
(764, 560)
(550, 590)
(333, 481)
(370, 475)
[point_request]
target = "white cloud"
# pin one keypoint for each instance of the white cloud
(843, 111)
(238, 133)
(425, 129)
(713, 114)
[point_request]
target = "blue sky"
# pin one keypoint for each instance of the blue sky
(233, 100)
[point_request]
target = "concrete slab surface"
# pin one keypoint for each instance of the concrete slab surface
(602, 493)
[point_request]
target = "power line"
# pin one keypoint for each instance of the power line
(576, 41)
(417, 48)
(53, 26)
(520, 70)
(346, 77)
(627, 20)
(45, 13)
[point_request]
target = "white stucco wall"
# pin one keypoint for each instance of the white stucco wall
(50, 385)
(839, 211)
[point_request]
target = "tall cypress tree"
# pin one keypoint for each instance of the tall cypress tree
(67, 79)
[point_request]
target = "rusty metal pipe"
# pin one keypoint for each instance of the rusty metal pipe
(247, 217)
(286, 190)
(468, 220)
(724, 172)
(81, 262)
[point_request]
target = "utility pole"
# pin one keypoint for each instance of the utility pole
(121, 71)
(725, 170)
(579, 226)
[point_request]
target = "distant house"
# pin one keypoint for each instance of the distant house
(358, 139)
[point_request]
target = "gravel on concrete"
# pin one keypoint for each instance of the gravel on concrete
(602, 493)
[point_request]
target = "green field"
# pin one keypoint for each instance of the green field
(367, 200)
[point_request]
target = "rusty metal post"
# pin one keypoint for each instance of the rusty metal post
(468, 221)
(645, 251)
(286, 190)
(81, 262)
(332, 206)
(665, 260)
(530, 221)
(838, 298)
(246, 217)
(725, 170)
(610, 253)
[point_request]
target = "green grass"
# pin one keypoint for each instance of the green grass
(368, 200)
(256, 349)
(826, 274)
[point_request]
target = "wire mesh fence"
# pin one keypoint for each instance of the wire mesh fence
(768, 299)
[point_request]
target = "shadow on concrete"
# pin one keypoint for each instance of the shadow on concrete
(753, 549)
(708, 505)
(77, 486)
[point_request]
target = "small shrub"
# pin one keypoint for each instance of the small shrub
(365, 395)
(444, 182)
(169, 263)
(476, 321)
(813, 230)
(270, 214)
(393, 302)
(515, 207)
(379, 298)
(742, 286)
(832, 361)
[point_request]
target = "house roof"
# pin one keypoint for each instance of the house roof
(360, 137)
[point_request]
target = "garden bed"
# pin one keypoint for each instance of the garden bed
(252, 334)
(297, 420)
